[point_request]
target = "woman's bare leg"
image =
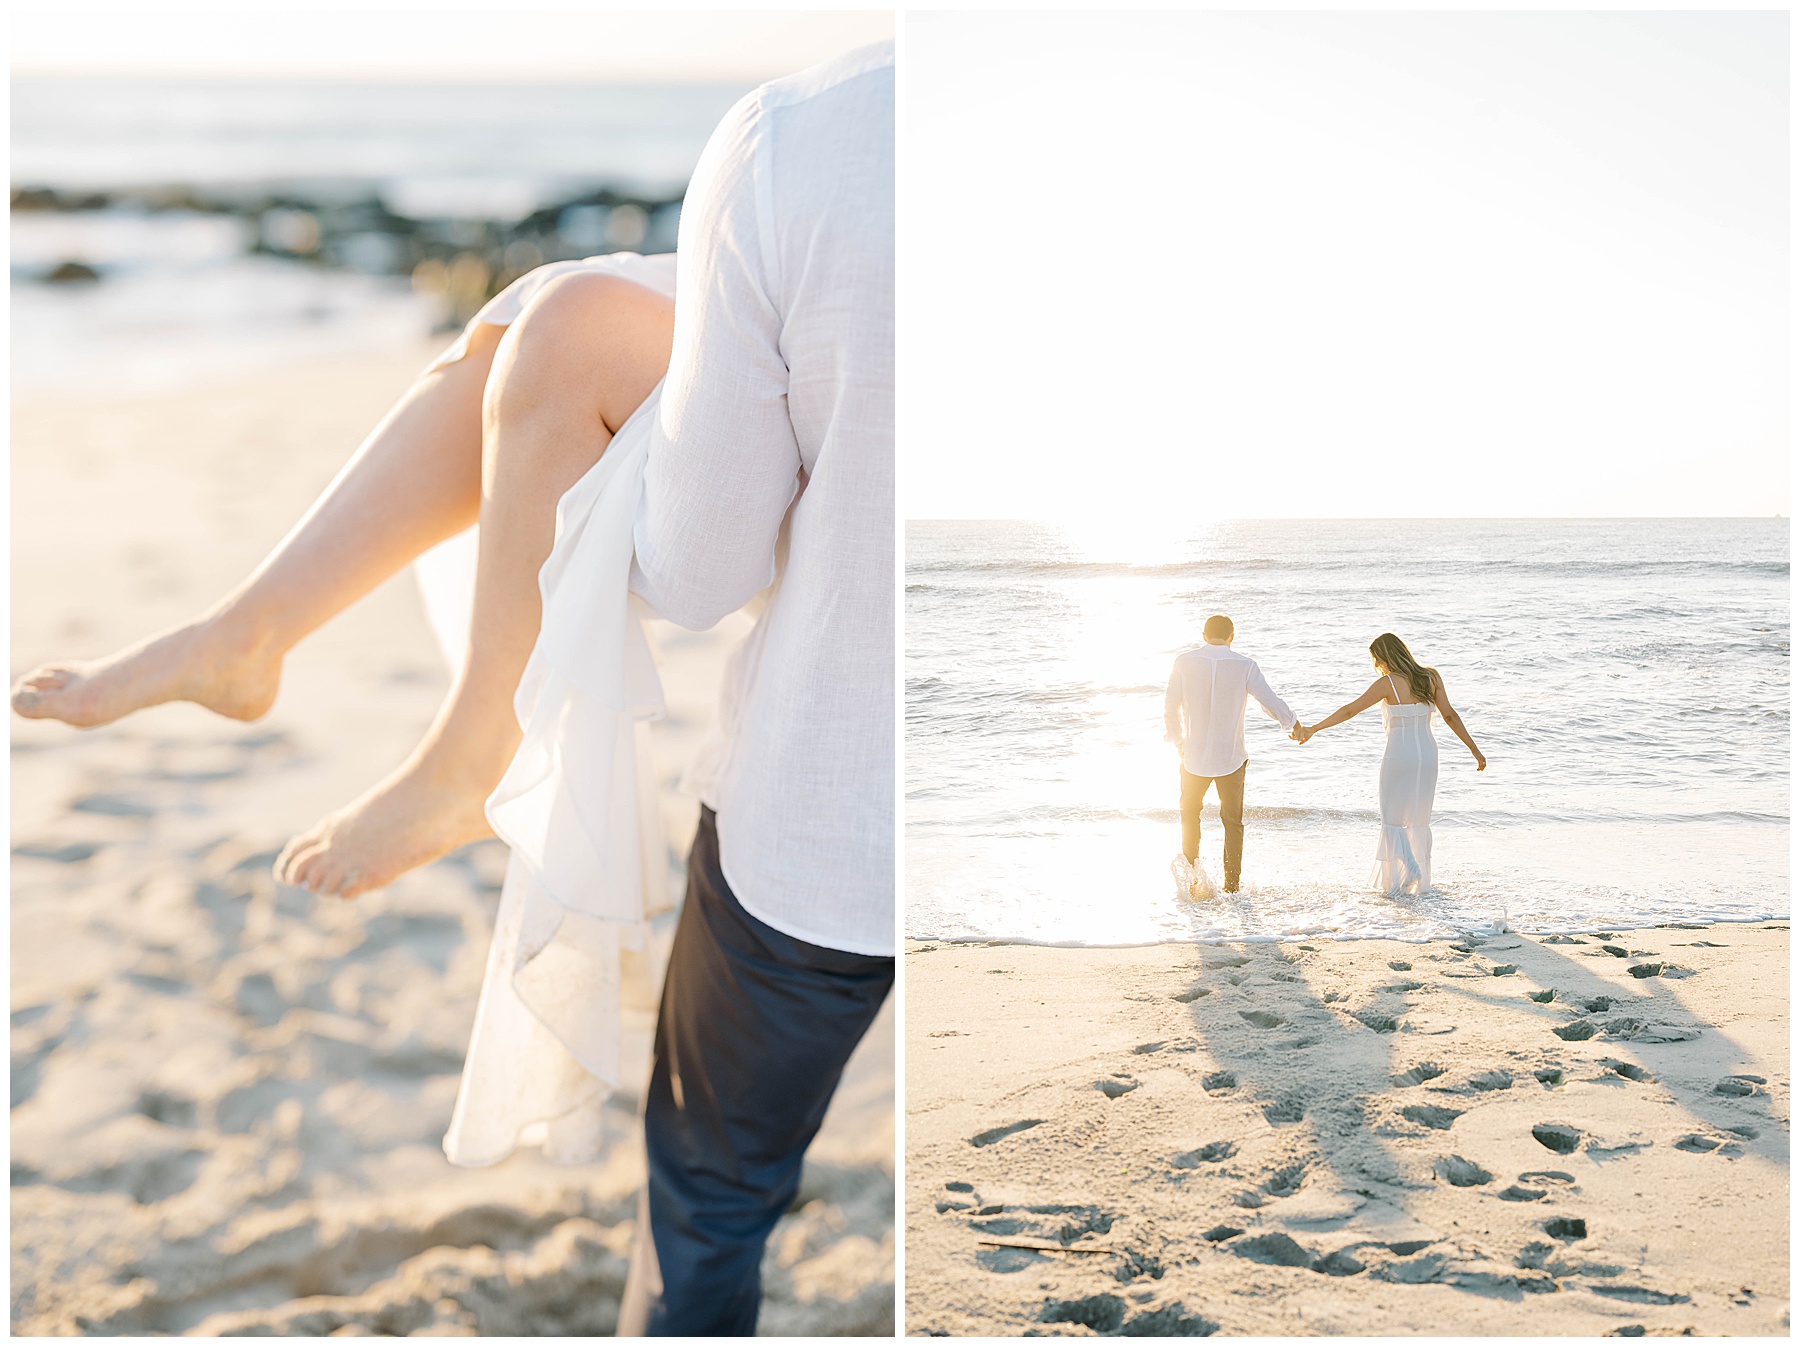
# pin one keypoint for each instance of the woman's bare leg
(575, 365)
(414, 482)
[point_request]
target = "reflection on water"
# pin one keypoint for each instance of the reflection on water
(1627, 680)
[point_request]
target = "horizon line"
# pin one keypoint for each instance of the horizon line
(1365, 518)
(399, 76)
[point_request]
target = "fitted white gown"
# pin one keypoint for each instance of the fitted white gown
(1408, 782)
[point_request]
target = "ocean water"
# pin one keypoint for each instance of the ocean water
(110, 133)
(1627, 680)
(184, 298)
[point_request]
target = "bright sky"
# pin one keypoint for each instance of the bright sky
(423, 39)
(1344, 264)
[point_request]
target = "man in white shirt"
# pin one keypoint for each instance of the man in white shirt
(773, 469)
(1203, 716)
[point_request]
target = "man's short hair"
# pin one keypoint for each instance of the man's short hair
(1219, 628)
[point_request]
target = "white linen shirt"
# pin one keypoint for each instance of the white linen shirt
(772, 467)
(1208, 688)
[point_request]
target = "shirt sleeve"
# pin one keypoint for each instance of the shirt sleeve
(1172, 707)
(722, 465)
(1266, 698)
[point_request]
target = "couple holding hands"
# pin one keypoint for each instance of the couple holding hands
(1203, 713)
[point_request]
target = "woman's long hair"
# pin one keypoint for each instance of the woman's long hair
(1390, 652)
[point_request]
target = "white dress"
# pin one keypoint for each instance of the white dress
(1408, 783)
(568, 998)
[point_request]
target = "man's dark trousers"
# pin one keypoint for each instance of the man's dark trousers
(1231, 814)
(752, 1036)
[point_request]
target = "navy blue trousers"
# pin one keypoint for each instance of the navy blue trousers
(751, 1039)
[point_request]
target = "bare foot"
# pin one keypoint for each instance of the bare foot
(407, 821)
(195, 663)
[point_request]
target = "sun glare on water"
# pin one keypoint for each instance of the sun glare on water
(1147, 538)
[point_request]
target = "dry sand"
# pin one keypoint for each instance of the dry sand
(228, 1097)
(1351, 1138)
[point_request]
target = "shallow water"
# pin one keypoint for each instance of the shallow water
(1627, 680)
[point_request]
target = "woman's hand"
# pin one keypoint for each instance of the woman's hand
(1480, 762)
(1299, 734)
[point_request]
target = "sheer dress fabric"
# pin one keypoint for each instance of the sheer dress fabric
(568, 998)
(1409, 768)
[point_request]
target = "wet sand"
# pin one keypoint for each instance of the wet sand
(1507, 1136)
(228, 1096)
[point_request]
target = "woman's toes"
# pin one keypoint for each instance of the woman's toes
(35, 686)
(293, 867)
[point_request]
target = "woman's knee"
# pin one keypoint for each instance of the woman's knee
(588, 313)
(592, 335)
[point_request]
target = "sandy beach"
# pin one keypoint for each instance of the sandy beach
(228, 1096)
(1516, 1135)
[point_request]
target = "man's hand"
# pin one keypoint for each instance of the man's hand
(1299, 734)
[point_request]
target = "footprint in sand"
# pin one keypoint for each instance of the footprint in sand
(1103, 1313)
(1262, 1019)
(1641, 1295)
(1211, 1153)
(1150, 1047)
(1418, 1075)
(1489, 1081)
(962, 1197)
(1285, 1111)
(1276, 1249)
(1559, 1137)
(1286, 1181)
(1568, 1229)
(1008, 1259)
(1400, 965)
(1431, 1115)
(1543, 998)
(1116, 1086)
(993, 1134)
(1629, 1070)
(1576, 1031)
(1519, 1193)
(1548, 1178)
(1217, 1082)
(1191, 995)
(1461, 1173)
(1549, 1076)
(1738, 1087)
